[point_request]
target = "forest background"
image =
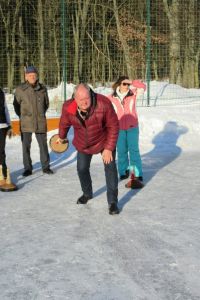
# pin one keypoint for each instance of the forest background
(96, 41)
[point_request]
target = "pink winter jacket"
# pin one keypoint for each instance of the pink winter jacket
(126, 110)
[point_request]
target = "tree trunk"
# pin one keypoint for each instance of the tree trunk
(172, 11)
(79, 29)
(21, 50)
(76, 48)
(125, 47)
(83, 9)
(191, 49)
(41, 39)
(54, 46)
(197, 68)
(10, 18)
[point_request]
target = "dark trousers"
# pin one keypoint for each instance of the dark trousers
(83, 169)
(26, 147)
(3, 132)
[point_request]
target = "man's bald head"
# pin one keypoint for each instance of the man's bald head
(82, 96)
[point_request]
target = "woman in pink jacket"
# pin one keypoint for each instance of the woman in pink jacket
(124, 102)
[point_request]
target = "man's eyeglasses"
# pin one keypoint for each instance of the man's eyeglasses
(125, 83)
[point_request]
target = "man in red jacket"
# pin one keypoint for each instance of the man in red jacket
(96, 130)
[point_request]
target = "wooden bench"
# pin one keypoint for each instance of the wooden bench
(52, 123)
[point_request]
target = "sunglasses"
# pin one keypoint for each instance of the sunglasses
(125, 83)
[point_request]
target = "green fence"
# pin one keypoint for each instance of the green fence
(95, 41)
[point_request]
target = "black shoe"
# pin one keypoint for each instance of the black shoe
(122, 177)
(113, 209)
(27, 173)
(48, 171)
(83, 199)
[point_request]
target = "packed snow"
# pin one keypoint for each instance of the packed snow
(52, 248)
(161, 94)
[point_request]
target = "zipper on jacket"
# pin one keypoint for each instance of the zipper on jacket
(36, 112)
(121, 102)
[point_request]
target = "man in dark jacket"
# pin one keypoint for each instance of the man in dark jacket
(31, 103)
(95, 131)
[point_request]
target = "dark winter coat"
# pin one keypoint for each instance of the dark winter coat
(2, 107)
(97, 132)
(30, 104)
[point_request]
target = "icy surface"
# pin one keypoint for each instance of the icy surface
(52, 248)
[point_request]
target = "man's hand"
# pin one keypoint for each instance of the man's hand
(61, 141)
(107, 156)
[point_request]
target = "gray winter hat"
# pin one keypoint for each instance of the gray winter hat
(31, 69)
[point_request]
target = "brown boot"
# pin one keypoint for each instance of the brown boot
(134, 183)
(8, 186)
(2, 179)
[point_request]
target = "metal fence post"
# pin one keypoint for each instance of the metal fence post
(148, 51)
(63, 34)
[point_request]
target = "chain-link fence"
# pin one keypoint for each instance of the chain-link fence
(95, 41)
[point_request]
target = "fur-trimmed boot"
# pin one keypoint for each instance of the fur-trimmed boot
(7, 186)
(2, 178)
(134, 182)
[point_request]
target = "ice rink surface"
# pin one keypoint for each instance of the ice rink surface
(52, 248)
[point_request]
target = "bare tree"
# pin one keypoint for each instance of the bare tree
(79, 30)
(192, 46)
(172, 11)
(104, 38)
(53, 47)
(10, 18)
(122, 40)
(21, 49)
(40, 28)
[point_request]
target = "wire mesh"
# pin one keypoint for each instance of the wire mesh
(95, 41)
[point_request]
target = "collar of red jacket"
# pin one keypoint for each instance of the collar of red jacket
(72, 108)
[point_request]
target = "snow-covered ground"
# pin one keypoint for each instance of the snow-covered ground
(161, 94)
(52, 248)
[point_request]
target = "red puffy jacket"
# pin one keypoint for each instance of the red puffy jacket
(100, 129)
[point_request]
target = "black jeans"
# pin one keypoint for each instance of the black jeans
(83, 169)
(3, 132)
(26, 147)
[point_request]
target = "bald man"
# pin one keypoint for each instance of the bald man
(96, 130)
